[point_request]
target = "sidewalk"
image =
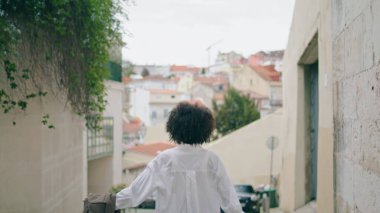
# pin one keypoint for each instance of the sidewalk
(308, 208)
(276, 210)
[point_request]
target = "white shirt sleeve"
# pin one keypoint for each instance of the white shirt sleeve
(138, 191)
(227, 194)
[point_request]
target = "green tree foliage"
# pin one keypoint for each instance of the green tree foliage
(117, 188)
(237, 111)
(145, 72)
(78, 35)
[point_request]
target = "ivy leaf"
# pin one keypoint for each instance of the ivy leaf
(22, 104)
(25, 76)
(13, 85)
(32, 95)
(46, 116)
(40, 93)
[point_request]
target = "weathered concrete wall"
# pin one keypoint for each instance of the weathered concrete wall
(245, 154)
(356, 53)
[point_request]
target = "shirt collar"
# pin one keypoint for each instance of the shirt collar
(188, 147)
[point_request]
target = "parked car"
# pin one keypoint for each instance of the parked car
(149, 203)
(249, 198)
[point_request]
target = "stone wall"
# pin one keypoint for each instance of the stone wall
(356, 68)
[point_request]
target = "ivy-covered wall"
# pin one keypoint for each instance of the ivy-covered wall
(78, 35)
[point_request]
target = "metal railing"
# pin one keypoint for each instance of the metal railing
(100, 141)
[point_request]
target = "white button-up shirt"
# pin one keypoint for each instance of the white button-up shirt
(185, 179)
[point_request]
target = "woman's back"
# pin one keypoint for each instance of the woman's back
(188, 178)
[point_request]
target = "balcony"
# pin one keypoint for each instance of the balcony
(100, 142)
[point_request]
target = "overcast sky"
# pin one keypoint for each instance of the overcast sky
(165, 32)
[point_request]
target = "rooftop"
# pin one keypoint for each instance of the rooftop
(178, 68)
(152, 149)
(164, 91)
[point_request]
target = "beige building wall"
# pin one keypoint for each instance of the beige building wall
(133, 164)
(114, 108)
(203, 92)
(309, 40)
(247, 79)
(100, 175)
(156, 133)
(276, 93)
(41, 169)
(185, 83)
(107, 171)
(245, 154)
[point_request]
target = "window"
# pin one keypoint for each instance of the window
(100, 141)
(154, 114)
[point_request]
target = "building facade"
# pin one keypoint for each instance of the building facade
(331, 107)
(162, 102)
(104, 147)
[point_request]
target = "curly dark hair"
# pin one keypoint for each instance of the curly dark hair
(190, 124)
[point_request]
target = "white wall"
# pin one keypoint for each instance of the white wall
(139, 104)
(41, 169)
(107, 171)
(114, 108)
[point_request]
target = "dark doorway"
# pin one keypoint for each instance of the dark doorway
(312, 102)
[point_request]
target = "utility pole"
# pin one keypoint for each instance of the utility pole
(208, 52)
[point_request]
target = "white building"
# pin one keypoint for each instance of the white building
(138, 103)
(104, 149)
(154, 82)
(152, 69)
(162, 102)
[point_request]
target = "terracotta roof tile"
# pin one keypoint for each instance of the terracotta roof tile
(152, 149)
(136, 166)
(211, 80)
(164, 91)
(176, 68)
(269, 73)
(132, 126)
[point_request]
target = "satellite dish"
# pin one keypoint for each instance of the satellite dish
(272, 142)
